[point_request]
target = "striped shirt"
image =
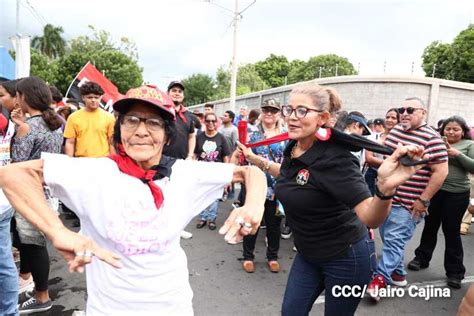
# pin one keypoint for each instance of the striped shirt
(428, 138)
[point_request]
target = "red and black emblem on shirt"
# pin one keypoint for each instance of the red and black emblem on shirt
(302, 177)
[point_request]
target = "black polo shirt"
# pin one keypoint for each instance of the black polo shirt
(178, 146)
(319, 191)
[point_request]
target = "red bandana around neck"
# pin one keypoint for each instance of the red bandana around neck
(128, 166)
(180, 112)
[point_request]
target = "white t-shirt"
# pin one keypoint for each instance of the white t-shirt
(5, 159)
(118, 212)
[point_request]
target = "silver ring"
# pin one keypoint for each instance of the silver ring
(79, 254)
(248, 225)
(240, 220)
(88, 253)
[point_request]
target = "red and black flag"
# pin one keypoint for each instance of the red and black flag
(90, 73)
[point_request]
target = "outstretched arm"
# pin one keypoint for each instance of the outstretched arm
(22, 184)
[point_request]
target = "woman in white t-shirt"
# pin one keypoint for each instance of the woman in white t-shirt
(118, 214)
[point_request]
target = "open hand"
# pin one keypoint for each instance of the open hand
(78, 250)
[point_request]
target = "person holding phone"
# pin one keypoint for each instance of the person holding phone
(449, 204)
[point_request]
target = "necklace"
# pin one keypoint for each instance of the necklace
(292, 155)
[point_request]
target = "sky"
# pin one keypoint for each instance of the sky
(176, 39)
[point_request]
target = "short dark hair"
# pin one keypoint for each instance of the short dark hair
(91, 87)
(208, 114)
(10, 86)
(56, 94)
(461, 121)
(231, 114)
(209, 105)
(254, 114)
(38, 96)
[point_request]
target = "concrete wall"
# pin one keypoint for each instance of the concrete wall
(373, 96)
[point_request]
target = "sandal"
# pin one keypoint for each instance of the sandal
(201, 224)
(212, 225)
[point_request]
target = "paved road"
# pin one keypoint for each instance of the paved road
(221, 287)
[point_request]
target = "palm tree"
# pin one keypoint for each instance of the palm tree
(51, 43)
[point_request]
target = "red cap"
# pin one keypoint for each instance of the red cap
(148, 94)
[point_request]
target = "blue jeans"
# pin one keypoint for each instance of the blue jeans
(8, 272)
(395, 232)
(210, 213)
(308, 279)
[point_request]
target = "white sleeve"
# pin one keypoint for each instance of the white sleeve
(206, 181)
(80, 183)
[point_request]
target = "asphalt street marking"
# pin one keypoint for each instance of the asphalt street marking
(438, 283)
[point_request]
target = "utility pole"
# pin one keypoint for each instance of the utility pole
(233, 78)
(412, 67)
(337, 65)
(320, 70)
(17, 28)
(384, 66)
(434, 70)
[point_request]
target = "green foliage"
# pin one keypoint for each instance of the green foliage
(273, 70)
(440, 54)
(51, 43)
(118, 62)
(463, 55)
(199, 88)
(453, 61)
(41, 66)
(329, 65)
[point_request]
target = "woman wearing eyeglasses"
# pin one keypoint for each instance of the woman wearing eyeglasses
(328, 206)
(134, 204)
(211, 146)
(264, 157)
(449, 203)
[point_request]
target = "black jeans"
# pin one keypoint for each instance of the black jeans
(446, 209)
(273, 234)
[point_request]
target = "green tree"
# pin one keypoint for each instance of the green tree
(296, 66)
(329, 65)
(199, 89)
(117, 61)
(273, 70)
(463, 55)
(41, 66)
(248, 80)
(51, 43)
(441, 55)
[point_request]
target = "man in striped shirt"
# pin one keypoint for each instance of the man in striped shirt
(412, 198)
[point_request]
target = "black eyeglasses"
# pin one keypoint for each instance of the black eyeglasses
(300, 111)
(211, 121)
(409, 110)
(132, 122)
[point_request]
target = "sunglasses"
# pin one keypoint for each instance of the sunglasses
(210, 121)
(270, 110)
(409, 110)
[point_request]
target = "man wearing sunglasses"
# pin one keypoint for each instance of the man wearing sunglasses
(412, 198)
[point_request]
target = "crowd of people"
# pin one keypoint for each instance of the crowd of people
(122, 176)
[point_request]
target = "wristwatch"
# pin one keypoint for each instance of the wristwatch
(426, 203)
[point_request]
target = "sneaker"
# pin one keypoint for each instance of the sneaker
(200, 224)
(186, 235)
(454, 283)
(416, 265)
(25, 285)
(286, 232)
(373, 289)
(32, 306)
(398, 279)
